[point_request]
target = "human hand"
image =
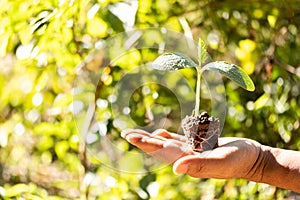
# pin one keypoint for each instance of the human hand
(234, 158)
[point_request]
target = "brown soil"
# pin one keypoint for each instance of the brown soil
(202, 131)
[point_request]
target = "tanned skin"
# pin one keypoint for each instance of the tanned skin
(234, 158)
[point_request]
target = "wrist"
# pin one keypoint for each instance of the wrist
(264, 159)
(277, 167)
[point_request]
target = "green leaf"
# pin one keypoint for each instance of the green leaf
(61, 149)
(114, 21)
(202, 55)
(173, 61)
(232, 72)
(17, 189)
(146, 180)
(262, 101)
(131, 162)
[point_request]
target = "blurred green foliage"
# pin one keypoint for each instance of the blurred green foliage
(45, 43)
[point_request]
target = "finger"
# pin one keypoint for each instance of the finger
(138, 132)
(145, 143)
(169, 135)
(194, 166)
(181, 166)
(165, 151)
(217, 163)
(170, 152)
(149, 143)
(198, 167)
(126, 132)
(159, 134)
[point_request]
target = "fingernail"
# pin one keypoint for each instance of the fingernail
(145, 138)
(158, 131)
(125, 132)
(181, 169)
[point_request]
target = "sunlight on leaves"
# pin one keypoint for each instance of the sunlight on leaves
(202, 55)
(173, 61)
(232, 72)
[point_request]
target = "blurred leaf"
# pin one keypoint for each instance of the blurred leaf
(261, 101)
(61, 148)
(130, 60)
(114, 21)
(61, 130)
(247, 45)
(132, 161)
(17, 190)
(272, 20)
(96, 27)
(45, 142)
(146, 180)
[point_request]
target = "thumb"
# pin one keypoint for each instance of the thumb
(188, 164)
(197, 166)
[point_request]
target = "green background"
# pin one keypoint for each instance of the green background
(45, 43)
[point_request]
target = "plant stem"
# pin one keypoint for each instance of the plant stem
(198, 90)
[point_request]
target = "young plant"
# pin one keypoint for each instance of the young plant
(201, 130)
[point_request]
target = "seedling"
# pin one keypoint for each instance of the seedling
(202, 131)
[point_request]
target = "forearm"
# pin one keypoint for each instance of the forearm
(278, 167)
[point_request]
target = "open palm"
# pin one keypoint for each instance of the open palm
(234, 158)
